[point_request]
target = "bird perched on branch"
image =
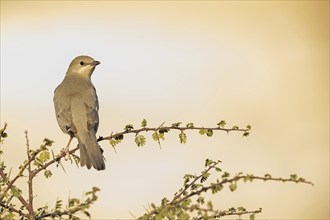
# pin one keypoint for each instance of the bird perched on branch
(76, 107)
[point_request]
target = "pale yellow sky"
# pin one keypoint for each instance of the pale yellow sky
(263, 63)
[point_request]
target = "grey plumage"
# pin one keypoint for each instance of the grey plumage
(76, 108)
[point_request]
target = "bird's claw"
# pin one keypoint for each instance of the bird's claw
(67, 154)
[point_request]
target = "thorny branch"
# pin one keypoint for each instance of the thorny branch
(30, 180)
(137, 131)
(193, 182)
(20, 198)
(191, 187)
(145, 129)
(183, 198)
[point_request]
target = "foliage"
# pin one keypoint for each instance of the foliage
(159, 132)
(38, 160)
(187, 203)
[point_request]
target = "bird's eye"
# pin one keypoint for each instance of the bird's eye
(82, 63)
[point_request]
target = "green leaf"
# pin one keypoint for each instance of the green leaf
(248, 178)
(241, 209)
(128, 127)
(155, 136)
(202, 131)
(163, 130)
(186, 203)
(16, 191)
(209, 205)
(205, 175)
(176, 125)
(268, 176)
(294, 177)
(44, 156)
(4, 134)
(58, 205)
(190, 125)
(235, 127)
(165, 201)
(182, 216)
(140, 140)
(161, 136)
(221, 124)
(183, 137)
(158, 136)
(209, 132)
(232, 209)
(87, 214)
(245, 134)
(113, 142)
(208, 162)
(48, 142)
(9, 216)
(233, 186)
(37, 162)
(144, 123)
(96, 189)
(248, 127)
(216, 188)
(201, 200)
(225, 175)
(252, 216)
(73, 202)
(119, 137)
(196, 186)
(187, 178)
(217, 169)
(48, 173)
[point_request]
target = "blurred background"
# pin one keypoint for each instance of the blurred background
(264, 63)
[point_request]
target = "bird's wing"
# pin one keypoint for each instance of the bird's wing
(63, 112)
(92, 107)
(85, 118)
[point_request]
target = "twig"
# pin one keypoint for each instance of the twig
(235, 179)
(58, 157)
(2, 135)
(20, 173)
(136, 131)
(239, 213)
(31, 175)
(20, 198)
(218, 213)
(193, 182)
(12, 209)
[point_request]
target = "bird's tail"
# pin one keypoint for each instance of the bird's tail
(90, 152)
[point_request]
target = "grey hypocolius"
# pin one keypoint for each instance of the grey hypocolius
(76, 107)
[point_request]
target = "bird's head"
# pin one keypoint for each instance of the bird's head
(82, 65)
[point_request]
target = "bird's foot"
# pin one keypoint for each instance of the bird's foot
(67, 154)
(67, 151)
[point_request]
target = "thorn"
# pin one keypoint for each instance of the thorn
(160, 126)
(114, 148)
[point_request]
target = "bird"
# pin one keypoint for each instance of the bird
(76, 107)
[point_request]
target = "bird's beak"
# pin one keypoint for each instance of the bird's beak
(95, 63)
